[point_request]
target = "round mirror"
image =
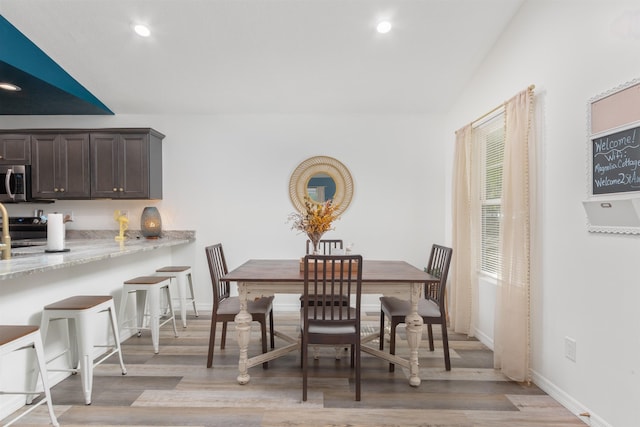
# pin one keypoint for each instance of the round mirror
(321, 178)
(321, 187)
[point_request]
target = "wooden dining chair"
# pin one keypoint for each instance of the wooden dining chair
(226, 307)
(327, 246)
(330, 278)
(431, 308)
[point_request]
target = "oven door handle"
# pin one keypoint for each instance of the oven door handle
(7, 184)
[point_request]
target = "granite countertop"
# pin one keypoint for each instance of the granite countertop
(85, 246)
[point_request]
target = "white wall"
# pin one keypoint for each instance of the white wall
(227, 177)
(587, 286)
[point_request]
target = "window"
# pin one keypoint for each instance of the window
(489, 137)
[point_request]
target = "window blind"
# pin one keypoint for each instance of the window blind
(489, 136)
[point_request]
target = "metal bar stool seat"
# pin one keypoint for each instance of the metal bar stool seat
(147, 290)
(14, 338)
(83, 311)
(182, 275)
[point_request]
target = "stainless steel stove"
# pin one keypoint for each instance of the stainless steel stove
(26, 231)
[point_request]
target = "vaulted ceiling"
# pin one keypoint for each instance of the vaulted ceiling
(249, 56)
(39, 85)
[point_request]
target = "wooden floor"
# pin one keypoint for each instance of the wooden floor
(173, 388)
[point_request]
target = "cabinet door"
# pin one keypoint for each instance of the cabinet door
(133, 166)
(15, 149)
(44, 167)
(60, 167)
(120, 166)
(72, 175)
(104, 165)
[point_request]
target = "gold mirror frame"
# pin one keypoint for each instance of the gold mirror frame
(323, 165)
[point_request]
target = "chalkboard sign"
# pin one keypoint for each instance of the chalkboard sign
(616, 162)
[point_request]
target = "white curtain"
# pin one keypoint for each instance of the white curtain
(462, 265)
(512, 333)
(511, 327)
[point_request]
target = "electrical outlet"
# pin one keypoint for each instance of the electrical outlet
(570, 348)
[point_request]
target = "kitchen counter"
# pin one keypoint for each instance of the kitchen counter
(95, 265)
(85, 247)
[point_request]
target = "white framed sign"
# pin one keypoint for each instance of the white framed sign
(613, 160)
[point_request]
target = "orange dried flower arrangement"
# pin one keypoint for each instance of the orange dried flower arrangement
(317, 219)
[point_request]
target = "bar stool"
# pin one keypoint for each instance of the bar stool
(147, 290)
(182, 275)
(14, 338)
(83, 311)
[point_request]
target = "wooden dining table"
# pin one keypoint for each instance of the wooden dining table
(262, 277)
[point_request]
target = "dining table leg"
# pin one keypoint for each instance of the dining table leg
(243, 327)
(414, 334)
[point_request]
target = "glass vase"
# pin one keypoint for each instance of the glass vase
(315, 241)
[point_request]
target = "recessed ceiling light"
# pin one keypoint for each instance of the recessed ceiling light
(383, 27)
(10, 86)
(142, 30)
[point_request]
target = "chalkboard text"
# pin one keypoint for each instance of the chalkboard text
(616, 159)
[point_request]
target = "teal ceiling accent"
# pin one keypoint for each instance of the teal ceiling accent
(47, 89)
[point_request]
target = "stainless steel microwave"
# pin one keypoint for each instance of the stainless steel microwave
(15, 183)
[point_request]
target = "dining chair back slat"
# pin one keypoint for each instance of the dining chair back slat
(438, 266)
(327, 246)
(218, 268)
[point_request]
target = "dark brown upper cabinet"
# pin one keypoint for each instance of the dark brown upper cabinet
(110, 163)
(60, 166)
(126, 164)
(15, 148)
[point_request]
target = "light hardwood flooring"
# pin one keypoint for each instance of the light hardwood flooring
(174, 388)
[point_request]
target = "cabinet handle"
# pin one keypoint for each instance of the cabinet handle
(62, 190)
(55, 190)
(115, 189)
(121, 189)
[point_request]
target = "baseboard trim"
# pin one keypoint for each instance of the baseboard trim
(483, 338)
(13, 402)
(567, 401)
